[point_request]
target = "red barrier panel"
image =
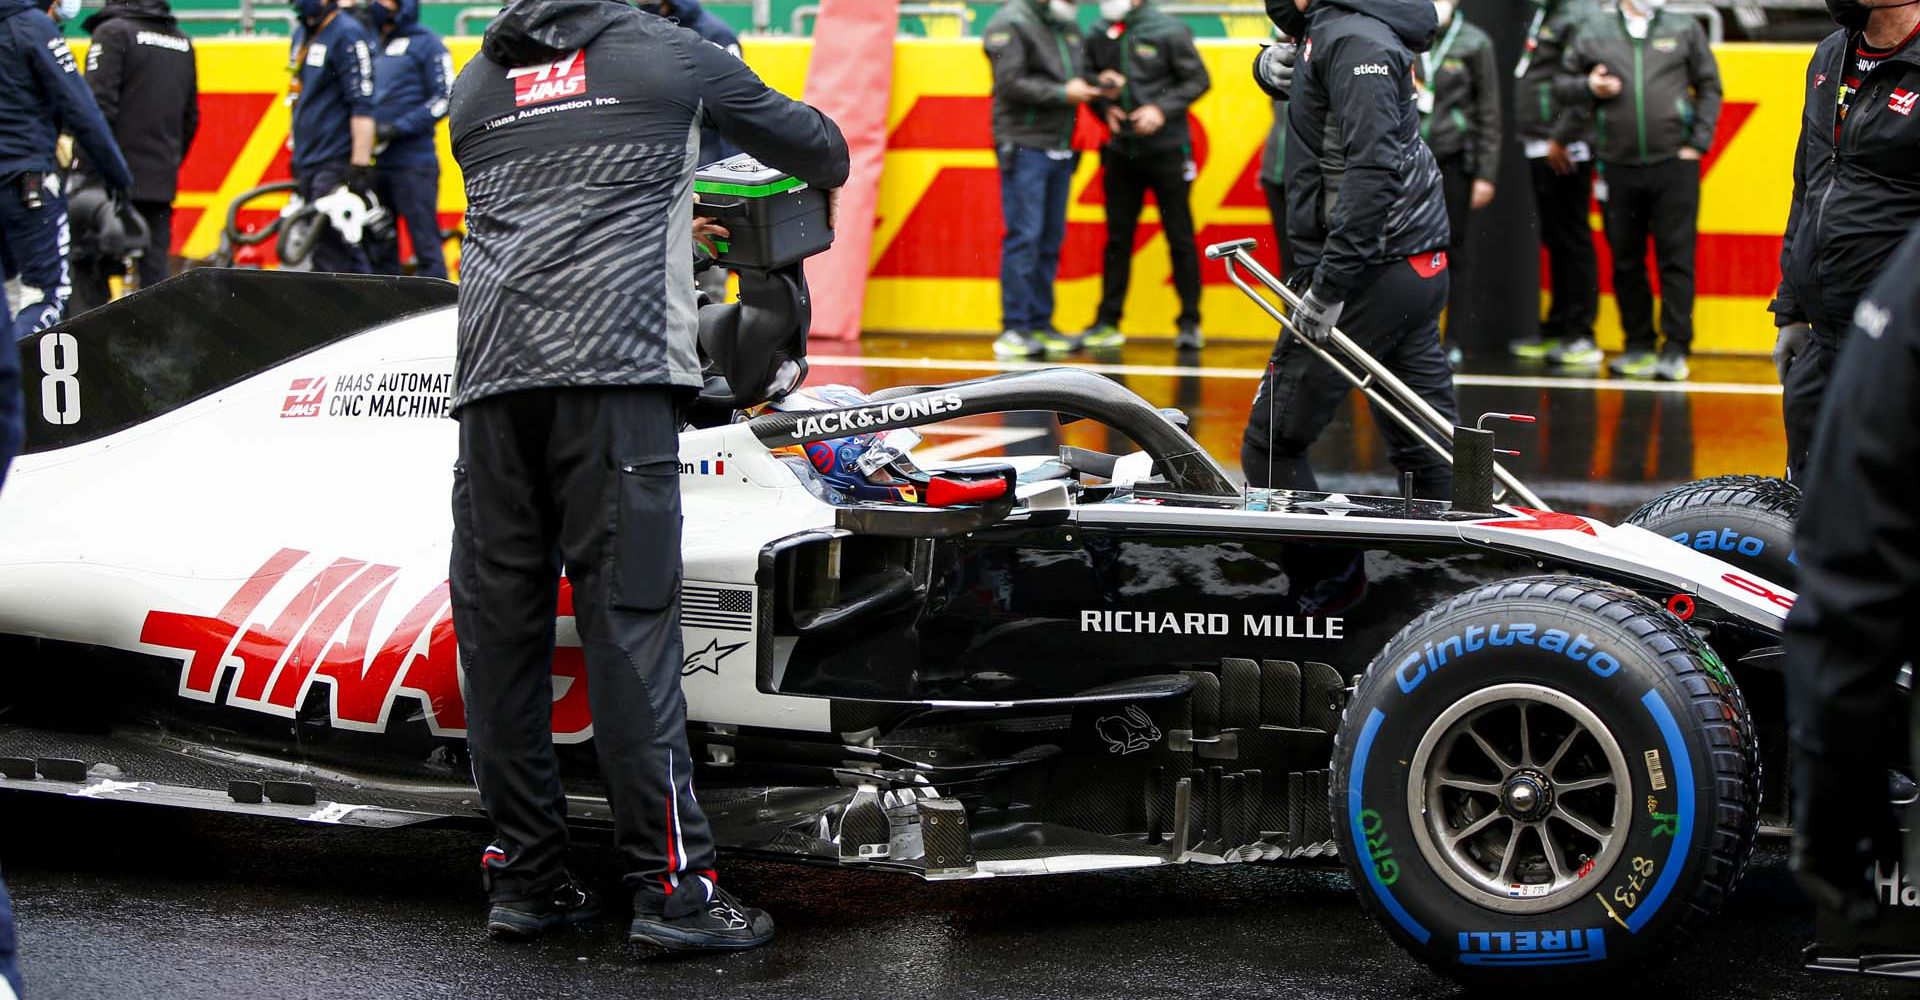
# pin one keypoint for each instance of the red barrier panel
(852, 61)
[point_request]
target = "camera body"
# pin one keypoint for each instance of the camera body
(774, 219)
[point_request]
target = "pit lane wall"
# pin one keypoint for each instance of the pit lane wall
(935, 256)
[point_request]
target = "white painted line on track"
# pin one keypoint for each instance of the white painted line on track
(1250, 374)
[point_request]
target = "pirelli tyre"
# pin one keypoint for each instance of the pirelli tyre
(1548, 778)
(1744, 520)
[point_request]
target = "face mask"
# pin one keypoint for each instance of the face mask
(1291, 20)
(378, 16)
(1061, 10)
(1849, 14)
(1852, 14)
(66, 10)
(1115, 10)
(1443, 9)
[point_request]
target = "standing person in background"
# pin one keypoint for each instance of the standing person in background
(1655, 89)
(143, 74)
(1458, 94)
(42, 94)
(1273, 72)
(701, 21)
(1848, 211)
(689, 14)
(333, 129)
(1552, 123)
(1039, 83)
(412, 81)
(1273, 165)
(1152, 59)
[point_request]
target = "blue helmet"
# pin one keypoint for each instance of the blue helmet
(879, 466)
(864, 466)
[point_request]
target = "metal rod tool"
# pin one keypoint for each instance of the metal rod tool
(1382, 388)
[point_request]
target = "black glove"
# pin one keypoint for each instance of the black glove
(1789, 344)
(360, 179)
(383, 132)
(1314, 317)
(1273, 69)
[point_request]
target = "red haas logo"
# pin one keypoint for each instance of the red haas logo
(564, 77)
(1902, 101)
(304, 397)
(324, 632)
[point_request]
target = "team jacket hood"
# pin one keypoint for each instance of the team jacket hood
(8, 8)
(538, 31)
(1412, 21)
(150, 10)
(1362, 189)
(687, 12)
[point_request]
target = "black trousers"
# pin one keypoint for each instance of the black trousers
(589, 480)
(90, 288)
(412, 194)
(1127, 179)
(1803, 389)
(1395, 316)
(1661, 201)
(1572, 265)
(1277, 209)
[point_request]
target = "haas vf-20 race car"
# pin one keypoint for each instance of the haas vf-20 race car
(223, 569)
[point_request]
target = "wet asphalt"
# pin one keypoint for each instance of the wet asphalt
(121, 900)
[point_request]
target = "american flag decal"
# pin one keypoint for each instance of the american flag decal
(715, 607)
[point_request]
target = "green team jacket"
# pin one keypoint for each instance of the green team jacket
(1033, 57)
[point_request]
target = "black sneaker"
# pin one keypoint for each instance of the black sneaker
(720, 923)
(522, 919)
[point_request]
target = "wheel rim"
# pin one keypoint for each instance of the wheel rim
(1522, 798)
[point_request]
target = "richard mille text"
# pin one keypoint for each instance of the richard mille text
(1198, 623)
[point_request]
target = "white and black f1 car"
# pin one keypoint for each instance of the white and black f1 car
(223, 586)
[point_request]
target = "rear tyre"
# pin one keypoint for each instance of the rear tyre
(1746, 521)
(1544, 779)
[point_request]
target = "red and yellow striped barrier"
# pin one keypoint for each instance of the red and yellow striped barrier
(936, 244)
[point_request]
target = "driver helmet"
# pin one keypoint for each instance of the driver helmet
(865, 466)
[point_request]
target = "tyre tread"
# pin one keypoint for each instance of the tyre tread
(1720, 711)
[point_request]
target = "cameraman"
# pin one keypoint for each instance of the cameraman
(576, 132)
(1368, 227)
(1856, 189)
